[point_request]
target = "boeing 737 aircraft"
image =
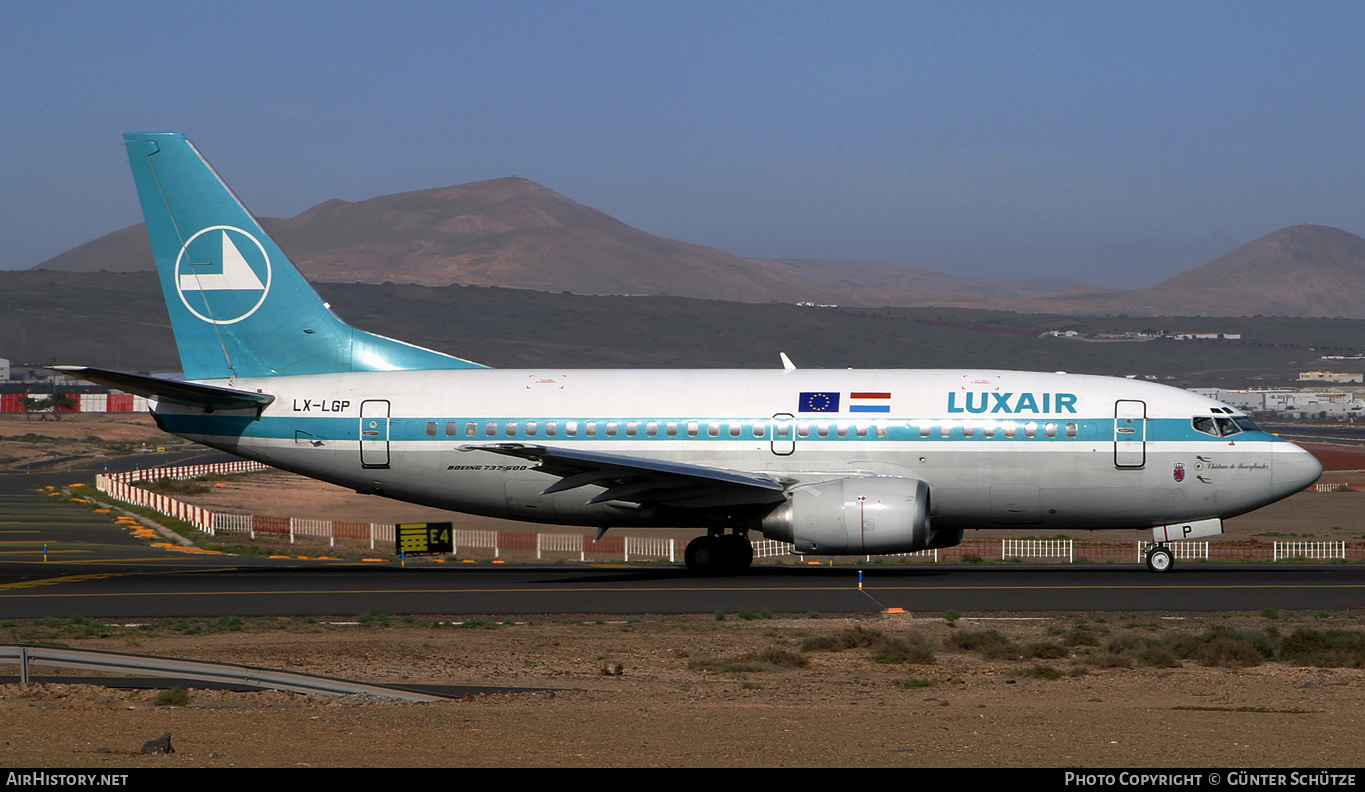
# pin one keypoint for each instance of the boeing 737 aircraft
(832, 461)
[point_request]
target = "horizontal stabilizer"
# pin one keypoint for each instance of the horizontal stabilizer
(210, 397)
(644, 480)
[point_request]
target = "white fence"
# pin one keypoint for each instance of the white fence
(1187, 551)
(1317, 551)
(631, 548)
(1037, 548)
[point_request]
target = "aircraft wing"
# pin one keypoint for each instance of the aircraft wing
(193, 394)
(644, 480)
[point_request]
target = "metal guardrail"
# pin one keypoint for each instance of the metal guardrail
(147, 665)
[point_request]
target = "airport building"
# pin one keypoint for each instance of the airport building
(1291, 402)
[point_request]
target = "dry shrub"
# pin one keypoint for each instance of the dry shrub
(990, 644)
(913, 647)
(1325, 648)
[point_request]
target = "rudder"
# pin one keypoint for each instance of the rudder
(238, 306)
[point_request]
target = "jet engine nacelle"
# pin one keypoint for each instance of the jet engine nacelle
(857, 516)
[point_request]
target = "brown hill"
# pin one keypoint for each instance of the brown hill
(1303, 270)
(503, 232)
(515, 233)
(511, 232)
(126, 250)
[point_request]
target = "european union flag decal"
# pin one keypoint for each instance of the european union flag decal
(819, 401)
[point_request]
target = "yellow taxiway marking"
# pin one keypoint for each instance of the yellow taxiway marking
(55, 581)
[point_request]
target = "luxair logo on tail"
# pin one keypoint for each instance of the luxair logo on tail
(222, 274)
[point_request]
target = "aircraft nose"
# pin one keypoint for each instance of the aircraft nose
(1292, 469)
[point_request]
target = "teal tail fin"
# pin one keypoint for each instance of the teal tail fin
(238, 306)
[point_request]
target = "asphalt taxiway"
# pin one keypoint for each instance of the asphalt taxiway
(58, 559)
(98, 571)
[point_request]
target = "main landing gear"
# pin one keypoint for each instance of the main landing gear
(719, 554)
(1160, 559)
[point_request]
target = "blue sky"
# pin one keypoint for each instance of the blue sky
(1115, 143)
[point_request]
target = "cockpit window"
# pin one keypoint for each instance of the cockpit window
(1222, 427)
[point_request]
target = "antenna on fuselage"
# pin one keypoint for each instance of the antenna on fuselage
(787, 362)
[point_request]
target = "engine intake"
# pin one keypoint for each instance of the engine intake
(855, 516)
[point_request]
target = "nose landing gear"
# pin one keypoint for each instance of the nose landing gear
(1160, 559)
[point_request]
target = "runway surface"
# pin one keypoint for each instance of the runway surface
(95, 569)
(103, 577)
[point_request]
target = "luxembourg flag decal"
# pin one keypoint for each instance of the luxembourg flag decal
(869, 401)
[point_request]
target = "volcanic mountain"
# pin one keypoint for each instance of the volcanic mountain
(503, 232)
(515, 233)
(1303, 270)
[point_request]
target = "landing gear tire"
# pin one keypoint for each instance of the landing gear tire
(703, 555)
(1160, 559)
(738, 554)
(719, 554)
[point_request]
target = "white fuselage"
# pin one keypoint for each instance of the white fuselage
(997, 448)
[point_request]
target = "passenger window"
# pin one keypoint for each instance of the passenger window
(968, 431)
(632, 428)
(471, 428)
(1031, 429)
(1050, 429)
(651, 428)
(671, 428)
(759, 430)
(692, 428)
(431, 428)
(713, 428)
(881, 430)
(924, 430)
(611, 428)
(531, 427)
(862, 430)
(491, 429)
(1011, 430)
(511, 428)
(822, 429)
(571, 428)
(988, 431)
(452, 428)
(551, 428)
(1071, 429)
(590, 429)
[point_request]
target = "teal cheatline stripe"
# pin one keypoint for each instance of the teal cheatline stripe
(909, 430)
(238, 306)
